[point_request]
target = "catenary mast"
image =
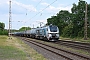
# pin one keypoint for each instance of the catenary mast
(9, 18)
(85, 31)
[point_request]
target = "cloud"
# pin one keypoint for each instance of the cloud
(36, 23)
(4, 6)
(3, 1)
(16, 7)
(27, 7)
(55, 9)
(20, 9)
(44, 4)
(36, 0)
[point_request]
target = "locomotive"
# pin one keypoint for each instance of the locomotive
(50, 33)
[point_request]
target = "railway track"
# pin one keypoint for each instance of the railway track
(77, 45)
(67, 55)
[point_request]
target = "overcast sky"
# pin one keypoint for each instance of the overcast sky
(32, 12)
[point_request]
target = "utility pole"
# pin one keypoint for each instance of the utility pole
(9, 18)
(85, 31)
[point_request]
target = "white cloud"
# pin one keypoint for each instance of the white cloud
(3, 1)
(28, 7)
(58, 8)
(44, 4)
(36, 0)
(55, 9)
(36, 23)
(19, 12)
(16, 7)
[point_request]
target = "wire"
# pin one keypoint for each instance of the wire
(43, 9)
(38, 3)
(36, 6)
(49, 5)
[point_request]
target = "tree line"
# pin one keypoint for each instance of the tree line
(71, 24)
(3, 31)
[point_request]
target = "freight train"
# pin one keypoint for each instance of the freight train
(50, 33)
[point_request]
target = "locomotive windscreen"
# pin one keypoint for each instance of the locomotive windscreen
(53, 28)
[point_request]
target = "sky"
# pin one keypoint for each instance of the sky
(30, 13)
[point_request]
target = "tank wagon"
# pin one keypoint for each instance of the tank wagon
(50, 33)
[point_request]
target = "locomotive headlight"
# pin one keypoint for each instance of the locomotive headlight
(57, 35)
(49, 35)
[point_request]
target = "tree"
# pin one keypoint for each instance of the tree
(2, 26)
(72, 24)
(24, 28)
(61, 20)
(2, 30)
(79, 11)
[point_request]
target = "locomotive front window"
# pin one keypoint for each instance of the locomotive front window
(53, 28)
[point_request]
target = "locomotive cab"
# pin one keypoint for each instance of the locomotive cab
(53, 33)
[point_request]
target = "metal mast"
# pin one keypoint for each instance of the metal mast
(9, 18)
(85, 31)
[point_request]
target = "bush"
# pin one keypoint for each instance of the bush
(3, 32)
(67, 31)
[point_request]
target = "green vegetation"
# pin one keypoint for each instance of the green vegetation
(76, 39)
(15, 49)
(8, 52)
(30, 51)
(71, 25)
(2, 30)
(2, 25)
(24, 28)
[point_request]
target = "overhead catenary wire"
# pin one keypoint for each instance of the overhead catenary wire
(39, 3)
(43, 9)
(47, 7)
(26, 8)
(66, 7)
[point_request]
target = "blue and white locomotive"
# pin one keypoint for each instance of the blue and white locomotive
(50, 32)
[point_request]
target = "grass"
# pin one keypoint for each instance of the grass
(76, 39)
(15, 49)
(78, 51)
(9, 52)
(2, 40)
(31, 52)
